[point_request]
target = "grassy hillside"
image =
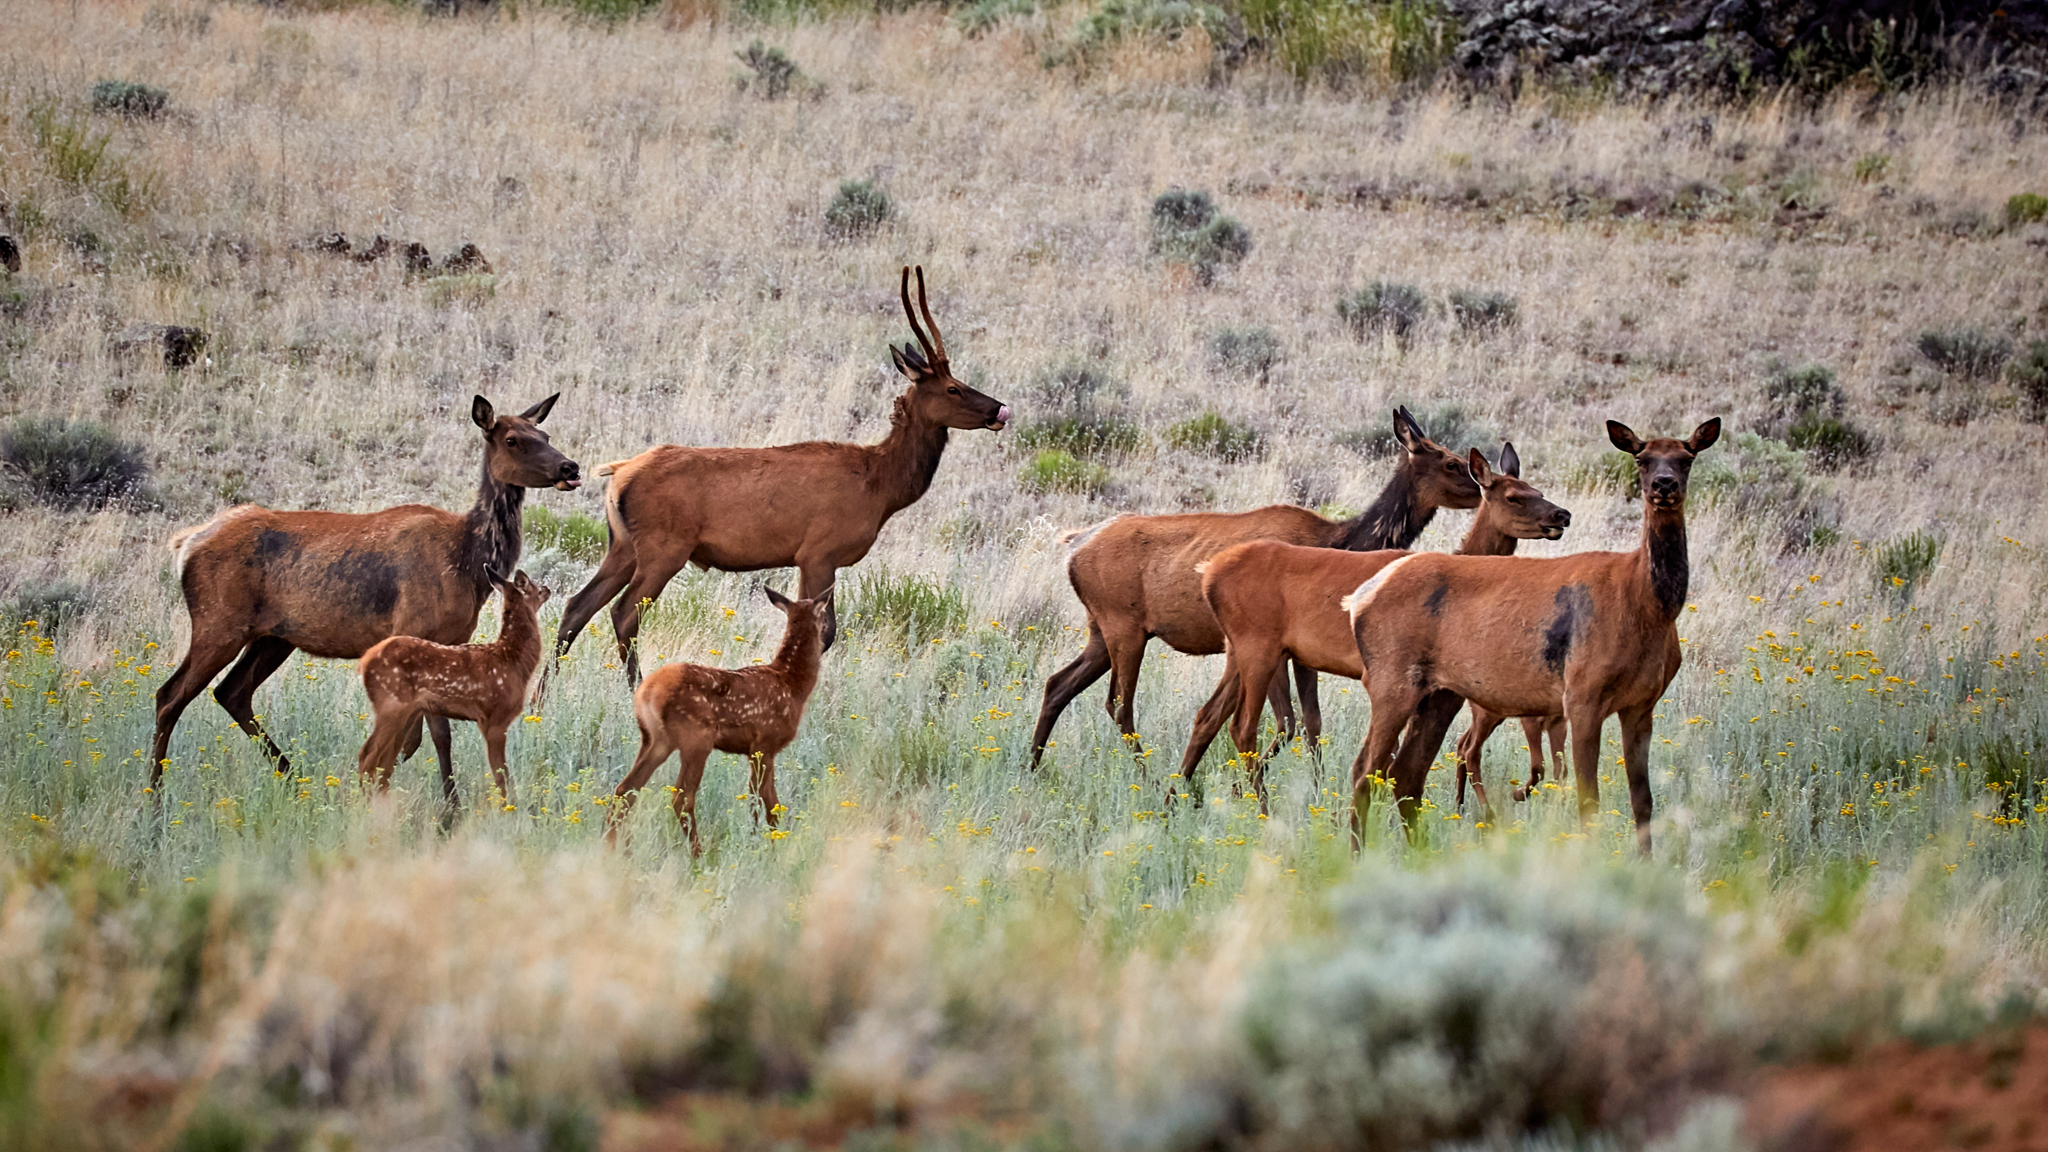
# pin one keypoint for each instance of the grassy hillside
(946, 948)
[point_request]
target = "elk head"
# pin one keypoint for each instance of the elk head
(936, 395)
(1664, 465)
(1517, 506)
(516, 451)
(1441, 477)
(523, 590)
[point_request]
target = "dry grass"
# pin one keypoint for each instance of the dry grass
(661, 258)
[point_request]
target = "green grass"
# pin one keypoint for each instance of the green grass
(574, 535)
(1057, 470)
(1215, 434)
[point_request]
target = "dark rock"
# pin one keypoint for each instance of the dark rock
(182, 346)
(334, 244)
(378, 249)
(10, 253)
(465, 260)
(418, 261)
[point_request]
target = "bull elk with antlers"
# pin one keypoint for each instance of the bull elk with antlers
(1277, 602)
(1136, 576)
(260, 583)
(1589, 636)
(818, 505)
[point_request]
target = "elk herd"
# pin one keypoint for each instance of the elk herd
(1560, 643)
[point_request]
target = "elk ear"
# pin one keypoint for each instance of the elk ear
(1477, 462)
(776, 598)
(909, 362)
(480, 411)
(1407, 431)
(1624, 437)
(539, 412)
(1703, 437)
(822, 602)
(1510, 462)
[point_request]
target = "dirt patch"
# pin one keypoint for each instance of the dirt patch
(1990, 1095)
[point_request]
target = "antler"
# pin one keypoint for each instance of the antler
(935, 345)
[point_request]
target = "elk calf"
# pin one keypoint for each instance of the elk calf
(408, 678)
(751, 712)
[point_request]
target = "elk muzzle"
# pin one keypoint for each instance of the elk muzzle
(1666, 491)
(1001, 420)
(570, 477)
(1554, 526)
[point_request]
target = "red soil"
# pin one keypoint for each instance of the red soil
(1989, 1095)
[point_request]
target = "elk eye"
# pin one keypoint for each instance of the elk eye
(952, 390)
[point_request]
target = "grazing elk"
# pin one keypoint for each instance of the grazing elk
(408, 679)
(817, 505)
(752, 712)
(1136, 576)
(1277, 602)
(1588, 636)
(259, 583)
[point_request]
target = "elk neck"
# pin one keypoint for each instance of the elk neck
(1667, 568)
(907, 458)
(491, 531)
(1397, 516)
(796, 661)
(1485, 538)
(518, 642)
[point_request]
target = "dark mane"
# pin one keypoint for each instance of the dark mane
(908, 457)
(491, 538)
(1395, 518)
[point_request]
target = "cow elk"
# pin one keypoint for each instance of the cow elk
(817, 505)
(259, 583)
(753, 712)
(1586, 636)
(1136, 577)
(408, 678)
(1277, 602)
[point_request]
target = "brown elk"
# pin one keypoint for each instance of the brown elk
(1136, 576)
(817, 505)
(1277, 602)
(260, 583)
(408, 679)
(1587, 636)
(752, 712)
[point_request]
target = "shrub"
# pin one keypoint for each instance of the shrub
(79, 156)
(2029, 374)
(1382, 306)
(773, 72)
(573, 534)
(1808, 389)
(1074, 387)
(913, 608)
(126, 98)
(982, 16)
(1830, 440)
(1872, 166)
(1393, 42)
(1112, 21)
(1903, 564)
(1186, 229)
(858, 209)
(1216, 435)
(1082, 436)
(1967, 352)
(1762, 480)
(52, 606)
(1245, 352)
(72, 465)
(2026, 208)
(1054, 470)
(1483, 311)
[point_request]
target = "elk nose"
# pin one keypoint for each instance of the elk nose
(1564, 518)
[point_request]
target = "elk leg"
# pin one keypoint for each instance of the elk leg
(380, 752)
(1214, 714)
(688, 780)
(1392, 705)
(1419, 750)
(1585, 721)
(1311, 712)
(648, 580)
(1636, 724)
(1284, 724)
(237, 691)
(1532, 731)
(611, 578)
(1062, 686)
(1555, 727)
(202, 663)
(444, 752)
(763, 785)
(811, 582)
(494, 751)
(655, 747)
(1471, 750)
(1126, 660)
(1256, 665)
